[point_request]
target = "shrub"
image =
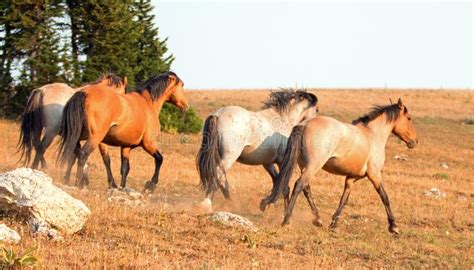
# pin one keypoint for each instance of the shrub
(9, 259)
(469, 121)
(173, 120)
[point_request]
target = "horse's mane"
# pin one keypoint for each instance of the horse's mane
(113, 80)
(280, 100)
(392, 112)
(157, 84)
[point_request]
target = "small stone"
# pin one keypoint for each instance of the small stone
(232, 220)
(444, 165)
(8, 235)
(434, 192)
(401, 158)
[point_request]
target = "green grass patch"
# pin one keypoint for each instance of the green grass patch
(441, 176)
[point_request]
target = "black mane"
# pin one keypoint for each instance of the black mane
(157, 84)
(113, 80)
(280, 100)
(391, 111)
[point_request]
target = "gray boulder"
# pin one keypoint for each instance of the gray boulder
(33, 195)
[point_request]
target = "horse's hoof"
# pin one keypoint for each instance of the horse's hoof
(333, 225)
(393, 229)
(317, 222)
(149, 187)
(263, 205)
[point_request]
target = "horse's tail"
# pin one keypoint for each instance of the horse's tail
(208, 160)
(291, 156)
(72, 124)
(31, 125)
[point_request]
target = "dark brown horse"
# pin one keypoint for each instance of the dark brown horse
(125, 120)
(355, 151)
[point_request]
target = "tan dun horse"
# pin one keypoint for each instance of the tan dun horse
(355, 151)
(125, 120)
(41, 119)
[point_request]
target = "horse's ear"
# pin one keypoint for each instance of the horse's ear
(124, 81)
(400, 103)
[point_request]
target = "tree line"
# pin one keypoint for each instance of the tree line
(74, 41)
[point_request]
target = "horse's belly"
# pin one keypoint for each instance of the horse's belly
(345, 167)
(255, 156)
(116, 137)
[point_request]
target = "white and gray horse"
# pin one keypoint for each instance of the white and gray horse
(42, 118)
(254, 138)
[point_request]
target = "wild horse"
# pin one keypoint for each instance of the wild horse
(355, 151)
(125, 120)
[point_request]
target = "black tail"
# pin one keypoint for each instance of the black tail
(72, 125)
(292, 154)
(31, 126)
(208, 160)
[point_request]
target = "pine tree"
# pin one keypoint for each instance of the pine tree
(151, 59)
(107, 38)
(32, 44)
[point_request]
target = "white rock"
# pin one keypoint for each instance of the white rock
(8, 235)
(402, 158)
(444, 165)
(33, 195)
(127, 196)
(232, 220)
(434, 192)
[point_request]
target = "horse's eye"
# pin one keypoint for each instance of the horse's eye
(409, 118)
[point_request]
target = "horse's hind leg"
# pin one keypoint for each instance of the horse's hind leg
(41, 146)
(309, 196)
(377, 183)
(83, 155)
(345, 196)
(125, 166)
(106, 158)
(300, 185)
(71, 162)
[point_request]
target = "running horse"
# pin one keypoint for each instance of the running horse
(41, 119)
(355, 151)
(125, 120)
(254, 138)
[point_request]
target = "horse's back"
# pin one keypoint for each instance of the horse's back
(346, 147)
(54, 99)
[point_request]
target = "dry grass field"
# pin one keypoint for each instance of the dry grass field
(170, 231)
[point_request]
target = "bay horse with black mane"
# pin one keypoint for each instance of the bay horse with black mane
(355, 151)
(125, 120)
(41, 120)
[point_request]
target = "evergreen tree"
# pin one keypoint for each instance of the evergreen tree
(32, 44)
(107, 38)
(151, 59)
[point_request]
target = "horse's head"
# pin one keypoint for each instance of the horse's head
(312, 108)
(404, 128)
(176, 95)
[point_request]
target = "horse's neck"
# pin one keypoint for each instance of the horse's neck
(157, 104)
(381, 129)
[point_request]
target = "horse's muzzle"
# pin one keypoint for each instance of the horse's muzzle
(411, 144)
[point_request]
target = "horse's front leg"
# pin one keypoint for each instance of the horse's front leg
(152, 149)
(377, 183)
(272, 171)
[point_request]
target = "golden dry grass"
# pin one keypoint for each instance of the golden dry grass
(170, 231)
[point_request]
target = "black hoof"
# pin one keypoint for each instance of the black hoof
(149, 187)
(317, 222)
(393, 229)
(333, 225)
(263, 204)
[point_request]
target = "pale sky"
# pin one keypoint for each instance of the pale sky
(267, 44)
